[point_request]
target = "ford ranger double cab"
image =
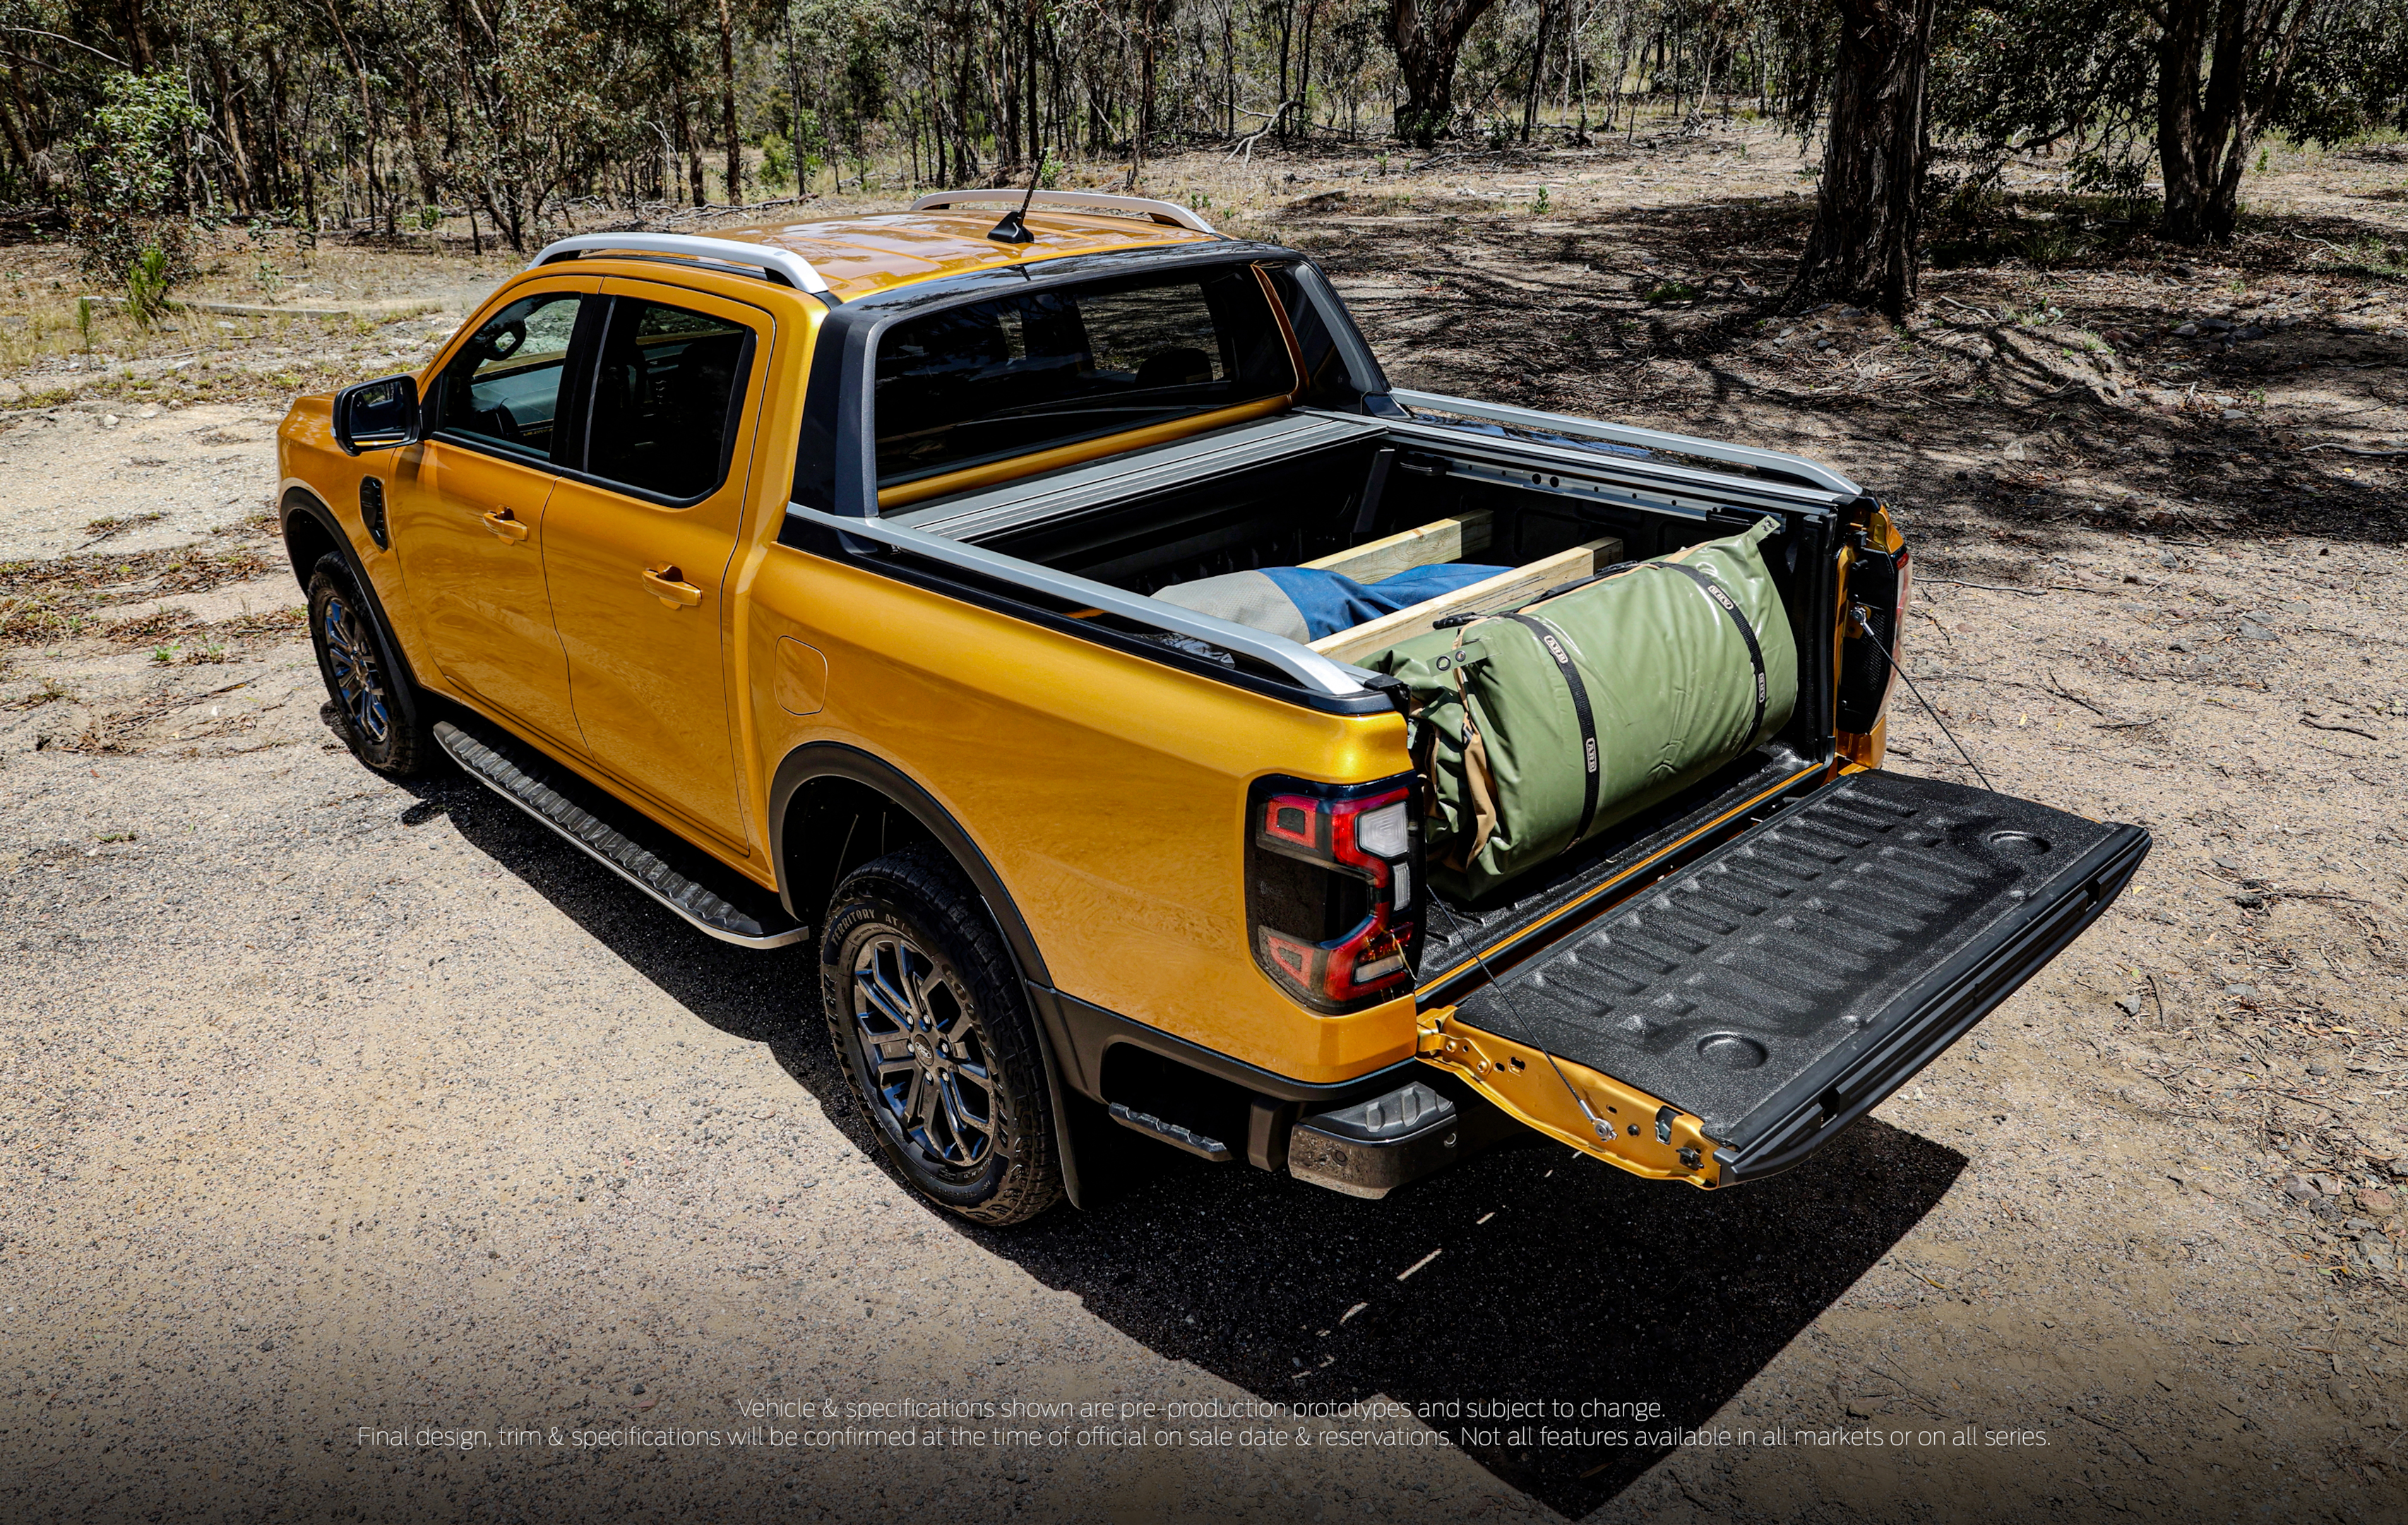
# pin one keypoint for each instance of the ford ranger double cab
(805, 576)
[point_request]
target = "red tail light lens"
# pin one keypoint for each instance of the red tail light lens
(1333, 888)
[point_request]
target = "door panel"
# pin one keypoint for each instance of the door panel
(467, 511)
(636, 563)
(1789, 980)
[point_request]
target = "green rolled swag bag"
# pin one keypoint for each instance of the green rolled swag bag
(1538, 729)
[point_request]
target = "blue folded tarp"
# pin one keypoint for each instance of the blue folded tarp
(1304, 603)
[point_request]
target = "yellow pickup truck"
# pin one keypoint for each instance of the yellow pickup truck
(806, 578)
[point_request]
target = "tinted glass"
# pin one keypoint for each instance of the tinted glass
(1025, 373)
(665, 398)
(504, 385)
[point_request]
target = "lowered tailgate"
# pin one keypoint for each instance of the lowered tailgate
(1721, 1024)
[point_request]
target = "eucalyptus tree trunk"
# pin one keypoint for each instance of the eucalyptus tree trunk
(1868, 213)
(1538, 69)
(1427, 36)
(728, 106)
(2220, 63)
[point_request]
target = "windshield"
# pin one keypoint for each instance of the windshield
(1027, 372)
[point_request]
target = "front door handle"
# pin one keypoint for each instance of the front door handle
(667, 584)
(501, 523)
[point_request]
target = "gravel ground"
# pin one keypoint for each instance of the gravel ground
(334, 1111)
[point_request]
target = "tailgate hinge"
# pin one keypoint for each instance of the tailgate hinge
(1517, 1077)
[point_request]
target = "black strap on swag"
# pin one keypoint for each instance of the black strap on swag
(1746, 633)
(1553, 645)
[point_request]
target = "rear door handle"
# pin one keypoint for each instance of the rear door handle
(501, 523)
(665, 583)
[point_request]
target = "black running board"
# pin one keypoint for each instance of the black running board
(512, 774)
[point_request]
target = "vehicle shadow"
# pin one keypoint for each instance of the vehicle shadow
(1532, 1274)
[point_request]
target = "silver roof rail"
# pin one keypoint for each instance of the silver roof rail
(1307, 667)
(1161, 212)
(778, 264)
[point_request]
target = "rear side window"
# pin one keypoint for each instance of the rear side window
(503, 387)
(666, 390)
(1022, 374)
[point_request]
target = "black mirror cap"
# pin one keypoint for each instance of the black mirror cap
(377, 415)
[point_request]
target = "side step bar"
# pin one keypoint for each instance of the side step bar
(705, 911)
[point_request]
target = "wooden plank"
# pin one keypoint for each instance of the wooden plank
(1446, 540)
(1508, 590)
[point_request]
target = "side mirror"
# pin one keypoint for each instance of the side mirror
(377, 415)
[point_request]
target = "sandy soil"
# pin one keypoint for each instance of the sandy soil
(330, 1103)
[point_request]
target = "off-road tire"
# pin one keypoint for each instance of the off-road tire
(378, 712)
(917, 904)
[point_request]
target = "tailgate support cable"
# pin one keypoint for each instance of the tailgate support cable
(1856, 613)
(1604, 1129)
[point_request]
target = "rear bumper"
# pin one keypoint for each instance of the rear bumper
(1374, 1147)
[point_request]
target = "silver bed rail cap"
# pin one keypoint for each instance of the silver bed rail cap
(1161, 212)
(782, 263)
(1651, 439)
(1308, 667)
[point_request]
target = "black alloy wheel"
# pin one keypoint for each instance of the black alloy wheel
(934, 1031)
(379, 714)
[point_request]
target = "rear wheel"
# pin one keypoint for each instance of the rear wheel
(378, 712)
(934, 1031)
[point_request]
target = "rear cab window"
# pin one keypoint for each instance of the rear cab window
(666, 392)
(1020, 373)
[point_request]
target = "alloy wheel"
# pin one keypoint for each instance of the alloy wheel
(922, 1053)
(358, 681)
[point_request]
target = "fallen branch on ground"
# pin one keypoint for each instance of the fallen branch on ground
(2319, 725)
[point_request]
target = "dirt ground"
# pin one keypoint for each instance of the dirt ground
(334, 1110)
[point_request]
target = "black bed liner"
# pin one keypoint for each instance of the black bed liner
(1792, 979)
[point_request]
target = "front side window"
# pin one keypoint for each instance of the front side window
(1027, 372)
(665, 396)
(503, 387)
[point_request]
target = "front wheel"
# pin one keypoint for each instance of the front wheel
(379, 714)
(935, 1033)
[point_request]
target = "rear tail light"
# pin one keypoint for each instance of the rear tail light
(1878, 582)
(1333, 890)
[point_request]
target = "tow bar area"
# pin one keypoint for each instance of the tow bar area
(1372, 1147)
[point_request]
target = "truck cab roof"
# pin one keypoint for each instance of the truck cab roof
(858, 256)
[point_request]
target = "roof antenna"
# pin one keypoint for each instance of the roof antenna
(1012, 228)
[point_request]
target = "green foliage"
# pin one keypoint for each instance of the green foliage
(128, 148)
(2016, 75)
(2118, 173)
(2350, 78)
(514, 108)
(1420, 128)
(776, 163)
(1673, 291)
(146, 287)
